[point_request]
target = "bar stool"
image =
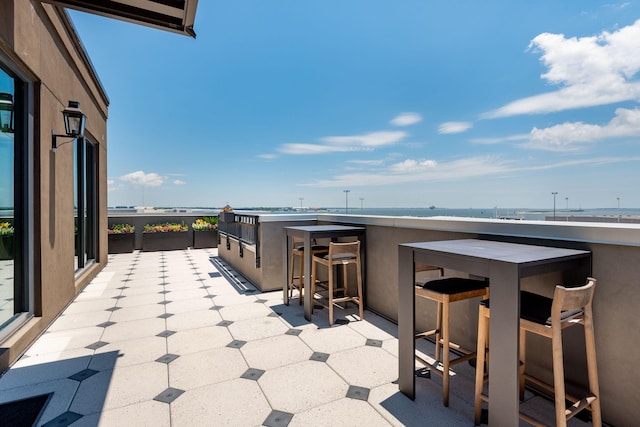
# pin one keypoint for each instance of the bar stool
(297, 250)
(445, 291)
(548, 317)
(339, 254)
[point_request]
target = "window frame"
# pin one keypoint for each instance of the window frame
(24, 184)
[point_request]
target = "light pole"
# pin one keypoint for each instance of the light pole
(618, 198)
(301, 199)
(567, 200)
(361, 204)
(555, 193)
(346, 200)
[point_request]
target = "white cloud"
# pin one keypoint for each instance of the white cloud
(268, 156)
(580, 162)
(429, 171)
(145, 179)
(366, 162)
(618, 5)
(337, 144)
(454, 127)
(571, 136)
(374, 139)
(312, 149)
(179, 182)
(590, 71)
(499, 140)
(411, 165)
(406, 119)
(412, 170)
(111, 185)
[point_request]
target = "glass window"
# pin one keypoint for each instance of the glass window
(12, 180)
(85, 201)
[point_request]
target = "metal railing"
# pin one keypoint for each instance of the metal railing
(242, 227)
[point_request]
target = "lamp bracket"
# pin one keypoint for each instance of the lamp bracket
(54, 140)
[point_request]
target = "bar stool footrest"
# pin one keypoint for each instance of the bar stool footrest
(435, 367)
(579, 406)
(426, 334)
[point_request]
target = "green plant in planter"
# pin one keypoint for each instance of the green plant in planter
(6, 240)
(167, 227)
(6, 229)
(207, 223)
(121, 229)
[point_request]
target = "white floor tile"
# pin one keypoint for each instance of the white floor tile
(381, 368)
(192, 319)
(267, 353)
(296, 388)
(120, 387)
(257, 328)
(334, 339)
(198, 340)
(207, 367)
(344, 412)
(238, 402)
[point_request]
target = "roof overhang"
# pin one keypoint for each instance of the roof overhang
(176, 16)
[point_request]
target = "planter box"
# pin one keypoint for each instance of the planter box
(165, 241)
(6, 247)
(121, 243)
(205, 239)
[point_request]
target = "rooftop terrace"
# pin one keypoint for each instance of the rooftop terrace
(179, 338)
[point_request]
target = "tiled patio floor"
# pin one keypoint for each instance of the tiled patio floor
(179, 339)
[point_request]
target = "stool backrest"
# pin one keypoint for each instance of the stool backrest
(344, 248)
(577, 300)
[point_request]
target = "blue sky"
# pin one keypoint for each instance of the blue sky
(407, 104)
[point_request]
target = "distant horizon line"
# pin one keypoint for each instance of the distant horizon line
(315, 208)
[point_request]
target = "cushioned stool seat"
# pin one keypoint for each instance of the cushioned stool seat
(454, 285)
(445, 291)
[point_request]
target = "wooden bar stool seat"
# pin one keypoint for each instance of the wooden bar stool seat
(297, 250)
(548, 317)
(445, 291)
(343, 254)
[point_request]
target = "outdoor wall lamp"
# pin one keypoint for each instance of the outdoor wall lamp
(74, 121)
(6, 112)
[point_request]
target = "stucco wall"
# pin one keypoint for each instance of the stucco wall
(40, 41)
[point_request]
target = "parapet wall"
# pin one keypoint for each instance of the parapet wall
(615, 248)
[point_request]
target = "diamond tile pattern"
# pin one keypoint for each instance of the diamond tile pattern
(278, 419)
(83, 375)
(236, 344)
(167, 358)
(169, 395)
(252, 374)
(106, 324)
(96, 345)
(319, 357)
(221, 352)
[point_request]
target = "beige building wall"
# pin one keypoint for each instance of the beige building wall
(40, 40)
